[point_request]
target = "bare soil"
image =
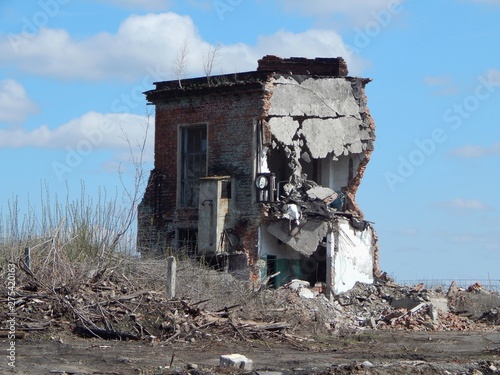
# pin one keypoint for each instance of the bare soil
(283, 331)
(361, 352)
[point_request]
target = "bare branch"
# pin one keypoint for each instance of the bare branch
(181, 61)
(133, 194)
(210, 60)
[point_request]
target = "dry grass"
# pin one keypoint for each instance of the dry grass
(81, 262)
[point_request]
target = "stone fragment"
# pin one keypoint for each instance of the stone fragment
(367, 364)
(433, 313)
(306, 293)
(293, 212)
(321, 193)
(371, 322)
(452, 290)
(298, 284)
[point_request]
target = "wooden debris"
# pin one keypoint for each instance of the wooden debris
(103, 308)
(7, 334)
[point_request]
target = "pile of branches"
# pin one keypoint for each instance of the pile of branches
(110, 305)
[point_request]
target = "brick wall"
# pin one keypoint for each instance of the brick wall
(231, 118)
(336, 66)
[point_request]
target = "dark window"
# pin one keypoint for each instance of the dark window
(187, 241)
(225, 189)
(193, 163)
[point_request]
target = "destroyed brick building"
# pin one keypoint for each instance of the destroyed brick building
(259, 171)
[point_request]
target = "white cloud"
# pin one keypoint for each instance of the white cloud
(469, 151)
(140, 4)
(488, 240)
(494, 2)
(441, 85)
(358, 11)
(144, 42)
(201, 4)
(493, 77)
(15, 105)
(311, 43)
(459, 205)
(83, 135)
(140, 41)
(407, 232)
(438, 80)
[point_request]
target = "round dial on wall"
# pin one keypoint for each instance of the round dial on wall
(261, 182)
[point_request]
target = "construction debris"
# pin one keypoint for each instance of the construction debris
(389, 306)
(491, 317)
(112, 307)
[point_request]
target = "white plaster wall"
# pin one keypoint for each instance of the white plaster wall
(263, 165)
(353, 260)
(212, 213)
(335, 173)
(207, 216)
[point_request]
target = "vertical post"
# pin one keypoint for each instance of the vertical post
(171, 276)
(27, 257)
(330, 265)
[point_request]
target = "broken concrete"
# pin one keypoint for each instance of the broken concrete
(304, 239)
(472, 302)
(385, 305)
(284, 129)
(298, 96)
(338, 136)
(321, 193)
(323, 133)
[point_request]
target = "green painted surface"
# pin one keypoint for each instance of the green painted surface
(289, 269)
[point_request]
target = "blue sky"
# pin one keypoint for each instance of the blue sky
(72, 73)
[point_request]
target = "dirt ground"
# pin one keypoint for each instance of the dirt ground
(81, 326)
(362, 352)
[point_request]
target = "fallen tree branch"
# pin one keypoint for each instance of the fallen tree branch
(104, 334)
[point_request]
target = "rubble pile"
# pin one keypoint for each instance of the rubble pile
(386, 305)
(305, 198)
(473, 301)
(112, 306)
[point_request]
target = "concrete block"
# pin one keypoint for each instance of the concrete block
(433, 313)
(440, 303)
(236, 360)
(321, 193)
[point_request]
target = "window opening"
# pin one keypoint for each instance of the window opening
(193, 163)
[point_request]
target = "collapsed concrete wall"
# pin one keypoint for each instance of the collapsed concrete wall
(321, 137)
(323, 127)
